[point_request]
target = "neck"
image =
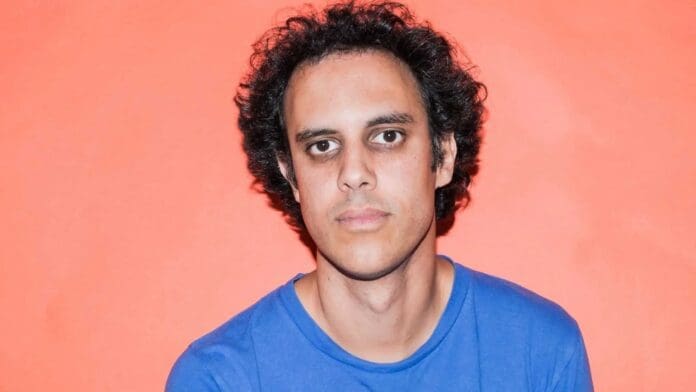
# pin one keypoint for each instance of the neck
(383, 320)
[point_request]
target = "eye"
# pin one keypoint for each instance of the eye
(389, 136)
(322, 147)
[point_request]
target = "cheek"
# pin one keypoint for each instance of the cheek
(315, 190)
(409, 181)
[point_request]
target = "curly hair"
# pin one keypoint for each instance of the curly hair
(453, 99)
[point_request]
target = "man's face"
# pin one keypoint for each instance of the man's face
(362, 155)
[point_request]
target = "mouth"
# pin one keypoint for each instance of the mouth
(364, 219)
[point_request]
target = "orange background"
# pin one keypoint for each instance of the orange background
(129, 227)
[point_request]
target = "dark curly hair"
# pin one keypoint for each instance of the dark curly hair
(452, 98)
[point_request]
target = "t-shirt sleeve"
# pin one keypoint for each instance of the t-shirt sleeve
(575, 376)
(190, 373)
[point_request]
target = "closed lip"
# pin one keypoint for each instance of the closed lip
(361, 215)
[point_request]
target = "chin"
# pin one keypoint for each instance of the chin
(366, 266)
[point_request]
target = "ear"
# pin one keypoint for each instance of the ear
(287, 172)
(445, 169)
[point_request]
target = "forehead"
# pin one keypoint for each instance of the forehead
(346, 88)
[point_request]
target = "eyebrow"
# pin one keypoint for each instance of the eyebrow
(391, 118)
(312, 133)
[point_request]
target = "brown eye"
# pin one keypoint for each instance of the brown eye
(389, 137)
(322, 147)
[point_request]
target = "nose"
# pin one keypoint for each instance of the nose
(356, 172)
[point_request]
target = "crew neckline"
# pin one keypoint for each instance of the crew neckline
(322, 341)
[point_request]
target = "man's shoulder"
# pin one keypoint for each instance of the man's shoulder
(514, 307)
(515, 325)
(225, 358)
(235, 333)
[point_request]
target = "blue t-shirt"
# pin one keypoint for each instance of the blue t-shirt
(493, 336)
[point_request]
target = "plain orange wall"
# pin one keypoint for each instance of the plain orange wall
(129, 228)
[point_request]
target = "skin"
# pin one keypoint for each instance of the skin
(361, 155)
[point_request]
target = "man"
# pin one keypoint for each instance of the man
(359, 122)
